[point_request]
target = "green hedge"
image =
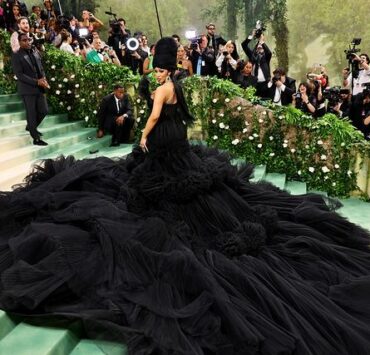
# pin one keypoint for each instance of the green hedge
(320, 152)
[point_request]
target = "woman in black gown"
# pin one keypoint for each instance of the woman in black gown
(174, 251)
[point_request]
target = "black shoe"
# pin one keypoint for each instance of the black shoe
(114, 144)
(39, 142)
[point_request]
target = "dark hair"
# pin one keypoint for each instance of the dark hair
(64, 34)
(121, 19)
(151, 46)
(118, 86)
(366, 56)
(176, 36)
(20, 35)
(280, 71)
(308, 89)
(34, 7)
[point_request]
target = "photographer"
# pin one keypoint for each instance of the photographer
(118, 36)
(339, 101)
(281, 88)
(202, 56)
(90, 21)
(260, 56)
(360, 111)
(357, 78)
(304, 100)
(244, 75)
(214, 41)
(227, 62)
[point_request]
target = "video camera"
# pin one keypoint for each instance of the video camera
(259, 29)
(333, 95)
(352, 50)
(276, 77)
(195, 42)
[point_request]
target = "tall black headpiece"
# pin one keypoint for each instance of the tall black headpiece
(165, 56)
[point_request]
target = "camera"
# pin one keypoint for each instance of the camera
(225, 53)
(333, 95)
(195, 42)
(276, 77)
(297, 95)
(366, 87)
(259, 29)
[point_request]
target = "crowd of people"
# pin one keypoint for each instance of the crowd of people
(207, 54)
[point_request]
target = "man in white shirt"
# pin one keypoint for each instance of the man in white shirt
(24, 27)
(363, 76)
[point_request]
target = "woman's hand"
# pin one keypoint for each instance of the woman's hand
(143, 144)
(304, 97)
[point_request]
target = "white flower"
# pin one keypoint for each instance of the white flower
(227, 100)
(271, 138)
(272, 154)
(264, 113)
(214, 101)
(323, 157)
(255, 135)
(53, 66)
(100, 86)
(260, 120)
(221, 114)
(227, 127)
(57, 92)
(77, 85)
(61, 103)
(250, 138)
(141, 112)
(138, 101)
(15, 77)
(72, 76)
(239, 108)
(221, 125)
(292, 150)
(307, 146)
(299, 172)
(334, 184)
(325, 169)
(285, 145)
(86, 118)
(320, 142)
(246, 123)
(326, 177)
(286, 141)
(259, 145)
(65, 80)
(95, 112)
(311, 169)
(69, 92)
(92, 93)
(235, 141)
(138, 119)
(69, 108)
(336, 166)
(214, 121)
(60, 85)
(343, 144)
(77, 96)
(281, 117)
(215, 138)
(52, 79)
(82, 100)
(245, 130)
(349, 172)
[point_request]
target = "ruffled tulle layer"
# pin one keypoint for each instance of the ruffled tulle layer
(178, 253)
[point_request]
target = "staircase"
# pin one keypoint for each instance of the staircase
(17, 155)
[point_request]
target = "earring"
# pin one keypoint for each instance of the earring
(168, 78)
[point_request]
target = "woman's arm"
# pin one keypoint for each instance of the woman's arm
(190, 68)
(159, 99)
(146, 69)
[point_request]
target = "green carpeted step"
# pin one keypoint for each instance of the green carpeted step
(296, 187)
(10, 98)
(259, 173)
(7, 324)
(237, 162)
(11, 117)
(356, 211)
(98, 347)
(276, 179)
(28, 339)
(323, 193)
(11, 106)
(51, 120)
(112, 152)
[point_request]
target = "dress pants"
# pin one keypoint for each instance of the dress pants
(36, 110)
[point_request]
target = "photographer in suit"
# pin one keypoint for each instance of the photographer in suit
(202, 57)
(31, 83)
(115, 116)
(281, 88)
(260, 56)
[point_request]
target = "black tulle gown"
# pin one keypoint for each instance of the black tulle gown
(176, 252)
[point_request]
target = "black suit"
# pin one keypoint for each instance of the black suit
(286, 95)
(206, 59)
(214, 42)
(108, 113)
(28, 69)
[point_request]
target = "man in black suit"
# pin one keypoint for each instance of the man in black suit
(281, 88)
(260, 56)
(31, 83)
(202, 57)
(214, 41)
(115, 116)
